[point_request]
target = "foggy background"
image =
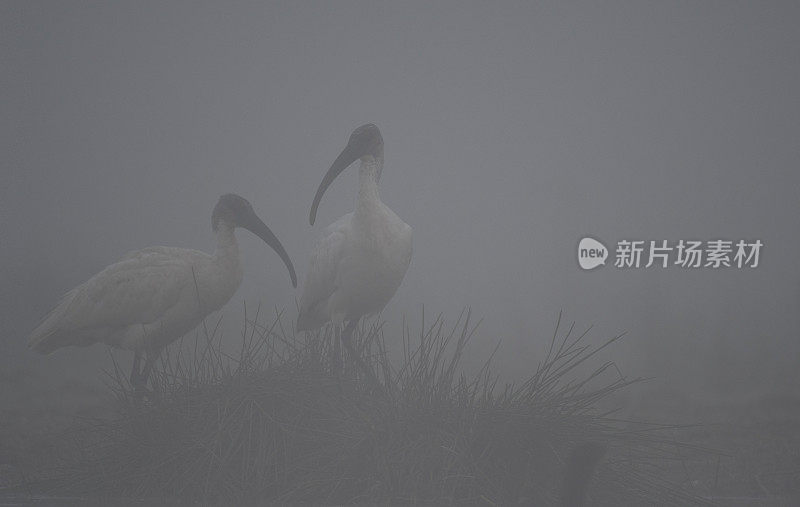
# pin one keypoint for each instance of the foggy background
(511, 131)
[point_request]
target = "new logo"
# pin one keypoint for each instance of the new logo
(591, 253)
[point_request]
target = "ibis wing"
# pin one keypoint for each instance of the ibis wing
(321, 278)
(138, 289)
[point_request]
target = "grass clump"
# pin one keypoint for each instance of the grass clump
(294, 419)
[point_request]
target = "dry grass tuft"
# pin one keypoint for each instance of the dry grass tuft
(294, 420)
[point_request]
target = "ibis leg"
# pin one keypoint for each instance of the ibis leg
(347, 336)
(152, 356)
(135, 372)
(336, 354)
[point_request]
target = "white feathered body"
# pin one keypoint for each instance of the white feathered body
(146, 300)
(358, 264)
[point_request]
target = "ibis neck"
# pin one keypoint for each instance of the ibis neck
(227, 246)
(368, 175)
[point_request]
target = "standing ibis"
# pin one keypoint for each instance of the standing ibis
(361, 259)
(154, 296)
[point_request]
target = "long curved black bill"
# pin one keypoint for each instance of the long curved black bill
(345, 158)
(260, 229)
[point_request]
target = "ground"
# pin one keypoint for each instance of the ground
(758, 435)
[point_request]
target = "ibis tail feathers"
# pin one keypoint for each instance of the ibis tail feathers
(51, 333)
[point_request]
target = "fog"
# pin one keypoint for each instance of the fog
(511, 132)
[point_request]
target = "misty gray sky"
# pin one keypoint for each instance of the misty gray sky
(511, 130)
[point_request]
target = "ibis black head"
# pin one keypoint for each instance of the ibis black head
(235, 211)
(365, 141)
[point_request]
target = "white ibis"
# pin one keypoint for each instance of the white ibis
(154, 296)
(360, 261)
